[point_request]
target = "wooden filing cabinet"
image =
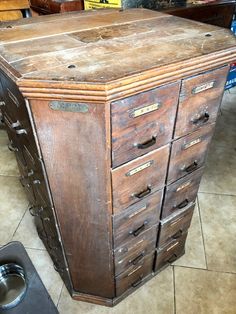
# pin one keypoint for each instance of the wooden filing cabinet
(110, 117)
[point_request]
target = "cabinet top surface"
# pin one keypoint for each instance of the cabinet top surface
(99, 47)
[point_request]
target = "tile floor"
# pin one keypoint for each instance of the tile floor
(203, 281)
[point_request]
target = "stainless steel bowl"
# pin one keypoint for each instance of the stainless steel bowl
(13, 285)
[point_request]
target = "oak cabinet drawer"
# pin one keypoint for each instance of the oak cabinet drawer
(139, 242)
(170, 253)
(134, 276)
(174, 226)
(139, 178)
(200, 98)
(189, 153)
(180, 193)
(135, 255)
(137, 218)
(143, 122)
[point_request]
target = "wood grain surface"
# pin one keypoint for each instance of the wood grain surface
(81, 191)
(66, 59)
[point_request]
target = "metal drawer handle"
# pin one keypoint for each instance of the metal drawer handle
(35, 211)
(21, 131)
(202, 119)
(147, 144)
(144, 193)
(192, 167)
(182, 204)
(137, 282)
(173, 258)
(136, 232)
(12, 148)
(178, 234)
(2, 103)
(137, 259)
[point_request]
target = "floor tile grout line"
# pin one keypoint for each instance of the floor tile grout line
(36, 249)
(222, 194)
(9, 176)
(203, 238)
(173, 272)
(59, 298)
(208, 270)
(19, 223)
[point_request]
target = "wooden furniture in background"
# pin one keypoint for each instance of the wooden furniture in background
(56, 6)
(111, 135)
(13, 9)
(219, 13)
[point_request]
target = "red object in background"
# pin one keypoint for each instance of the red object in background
(53, 6)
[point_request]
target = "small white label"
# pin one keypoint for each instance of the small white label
(203, 87)
(139, 168)
(183, 186)
(190, 144)
(140, 111)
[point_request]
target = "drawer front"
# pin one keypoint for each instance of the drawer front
(189, 153)
(200, 97)
(137, 219)
(179, 194)
(139, 178)
(143, 122)
(138, 243)
(135, 256)
(134, 277)
(174, 226)
(170, 253)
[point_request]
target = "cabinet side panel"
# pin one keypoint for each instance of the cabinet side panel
(75, 148)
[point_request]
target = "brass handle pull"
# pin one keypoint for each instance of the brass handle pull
(137, 282)
(147, 144)
(143, 193)
(192, 167)
(139, 230)
(137, 259)
(178, 234)
(172, 258)
(182, 204)
(202, 119)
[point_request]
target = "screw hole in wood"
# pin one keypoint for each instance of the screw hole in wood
(208, 35)
(71, 66)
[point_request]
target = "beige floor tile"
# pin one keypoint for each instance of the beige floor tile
(225, 132)
(26, 233)
(220, 171)
(218, 214)
(204, 292)
(194, 249)
(45, 269)
(8, 165)
(155, 297)
(229, 100)
(13, 204)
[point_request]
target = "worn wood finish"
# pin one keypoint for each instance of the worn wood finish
(179, 194)
(200, 98)
(70, 85)
(136, 254)
(76, 212)
(150, 114)
(171, 252)
(174, 226)
(189, 153)
(139, 178)
(137, 218)
(134, 276)
(106, 33)
(139, 242)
